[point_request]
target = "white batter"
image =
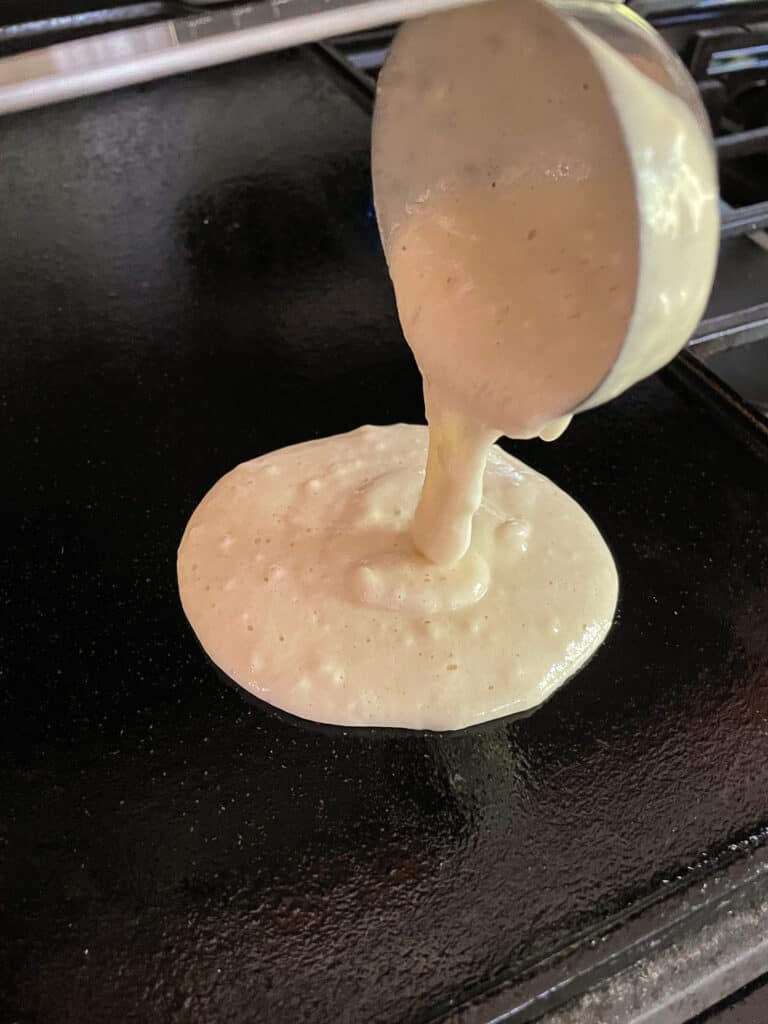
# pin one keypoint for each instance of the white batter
(299, 575)
(549, 215)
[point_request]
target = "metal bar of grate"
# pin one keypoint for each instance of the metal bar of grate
(745, 221)
(717, 333)
(739, 144)
(84, 20)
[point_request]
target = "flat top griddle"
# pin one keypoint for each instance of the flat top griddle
(190, 274)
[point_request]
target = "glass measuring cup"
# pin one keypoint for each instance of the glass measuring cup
(650, 117)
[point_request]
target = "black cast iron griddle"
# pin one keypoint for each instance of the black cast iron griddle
(190, 275)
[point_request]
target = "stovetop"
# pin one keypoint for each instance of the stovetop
(189, 276)
(183, 287)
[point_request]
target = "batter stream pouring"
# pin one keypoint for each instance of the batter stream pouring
(549, 213)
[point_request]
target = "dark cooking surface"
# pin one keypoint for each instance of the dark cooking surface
(189, 275)
(750, 1006)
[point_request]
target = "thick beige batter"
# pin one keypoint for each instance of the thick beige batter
(549, 215)
(299, 575)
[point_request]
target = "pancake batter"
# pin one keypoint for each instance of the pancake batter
(551, 236)
(300, 576)
(549, 214)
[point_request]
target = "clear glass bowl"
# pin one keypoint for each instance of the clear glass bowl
(629, 34)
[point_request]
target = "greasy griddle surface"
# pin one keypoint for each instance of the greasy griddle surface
(189, 276)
